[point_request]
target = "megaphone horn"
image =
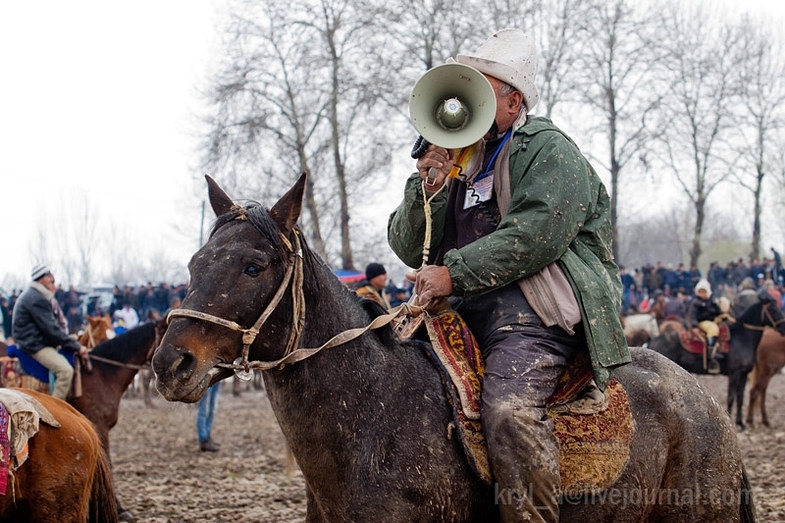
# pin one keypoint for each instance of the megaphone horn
(452, 105)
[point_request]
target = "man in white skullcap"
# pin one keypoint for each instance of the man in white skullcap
(521, 243)
(39, 330)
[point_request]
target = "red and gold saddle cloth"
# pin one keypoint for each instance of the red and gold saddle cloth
(694, 340)
(594, 448)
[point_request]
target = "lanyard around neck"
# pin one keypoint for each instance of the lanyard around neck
(488, 167)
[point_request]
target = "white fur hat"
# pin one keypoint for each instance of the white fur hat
(510, 55)
(39, 271)
(705, 285)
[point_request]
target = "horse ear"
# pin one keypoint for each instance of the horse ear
(287, 210)
(219, 200)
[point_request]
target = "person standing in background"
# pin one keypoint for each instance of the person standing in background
(6, 312)
(373, 286)
(204, 419)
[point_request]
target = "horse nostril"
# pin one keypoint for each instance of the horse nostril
(174, 365)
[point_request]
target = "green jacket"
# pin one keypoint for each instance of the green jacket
(559, 211)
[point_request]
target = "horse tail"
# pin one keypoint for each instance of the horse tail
(747, 505)
(103, 506)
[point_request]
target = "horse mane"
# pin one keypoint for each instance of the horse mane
(125, 345)
(751, 314)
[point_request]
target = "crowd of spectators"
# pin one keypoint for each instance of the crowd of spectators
(148, 301)
(647, 285)
(650, 286)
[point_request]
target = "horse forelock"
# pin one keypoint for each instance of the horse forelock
(260, 218)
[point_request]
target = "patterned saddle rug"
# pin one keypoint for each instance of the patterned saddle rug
(20, 415)
(594, 448)
(694, 340)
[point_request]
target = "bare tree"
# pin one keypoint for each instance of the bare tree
(762, 80)
(86, 238)
(699, 63)
(267, 104)
(616, 64)
(299, 90)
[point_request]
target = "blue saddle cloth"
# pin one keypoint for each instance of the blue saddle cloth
(32, 367)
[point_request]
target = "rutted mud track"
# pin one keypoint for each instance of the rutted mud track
(161, 475)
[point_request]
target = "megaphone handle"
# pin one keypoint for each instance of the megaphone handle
(420, 147)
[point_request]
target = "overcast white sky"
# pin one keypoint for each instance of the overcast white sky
(98, 98)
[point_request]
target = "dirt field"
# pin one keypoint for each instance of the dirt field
(161, 475)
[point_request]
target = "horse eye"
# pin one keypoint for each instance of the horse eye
(253, 270)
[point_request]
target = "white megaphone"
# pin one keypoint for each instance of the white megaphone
(452, 105)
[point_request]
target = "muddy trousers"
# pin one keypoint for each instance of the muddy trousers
(523, 361)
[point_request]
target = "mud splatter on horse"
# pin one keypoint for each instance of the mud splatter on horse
(368, 419)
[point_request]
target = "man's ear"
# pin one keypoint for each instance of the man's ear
(514, 101)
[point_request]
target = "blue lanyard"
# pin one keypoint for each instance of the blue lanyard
(495, 154)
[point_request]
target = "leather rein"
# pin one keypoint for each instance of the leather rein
(764, 313)
(293, 353)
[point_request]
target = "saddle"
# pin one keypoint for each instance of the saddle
(27, 373)
(594, 438)
(695, 341)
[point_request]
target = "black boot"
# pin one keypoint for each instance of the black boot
(713, 364)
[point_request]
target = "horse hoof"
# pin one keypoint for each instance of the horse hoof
(126, 515)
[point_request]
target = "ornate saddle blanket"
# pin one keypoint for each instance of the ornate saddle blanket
(20, 415)
(694, 340)
(594, 448)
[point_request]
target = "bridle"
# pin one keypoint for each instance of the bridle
(292, 278)
(765, 313)
(293, 275)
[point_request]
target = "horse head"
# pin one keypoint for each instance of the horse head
(241, 303)
(767, 312)
(98, 330)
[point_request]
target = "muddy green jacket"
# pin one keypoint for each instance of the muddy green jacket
(559, 211)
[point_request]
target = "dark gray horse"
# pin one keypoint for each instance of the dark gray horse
(367, 417)
(745, 335)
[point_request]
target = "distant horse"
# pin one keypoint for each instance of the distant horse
(745, 334)
(640, 328)
(66, 476)
(669, 324)
(770, 361)
(368, 419)
(97, 330)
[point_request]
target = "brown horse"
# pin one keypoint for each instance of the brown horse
(97, 330)
(66, 476)
(114, 364)
(366, 415)
(769, 361)
(672, 323)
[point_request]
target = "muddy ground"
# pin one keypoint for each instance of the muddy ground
(161, 475)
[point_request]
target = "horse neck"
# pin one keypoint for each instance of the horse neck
(329, 310)
(129, 350)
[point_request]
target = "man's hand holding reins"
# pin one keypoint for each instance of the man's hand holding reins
(431, 282)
